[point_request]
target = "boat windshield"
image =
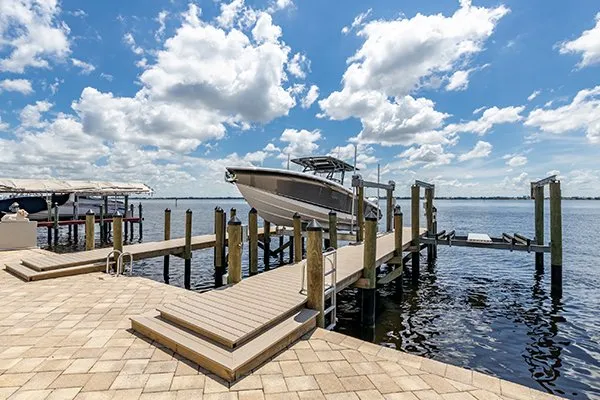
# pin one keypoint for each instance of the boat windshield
(328, 167)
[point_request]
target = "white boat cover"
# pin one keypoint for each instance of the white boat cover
(71, 186)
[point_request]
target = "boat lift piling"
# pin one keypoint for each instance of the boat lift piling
(219, 249)
(359, 183)
(167, 236)
(90, 236)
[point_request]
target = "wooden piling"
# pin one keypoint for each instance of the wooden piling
(297, 222)
(167, 236)
(56, 217)
(391, 200)
(267, 244)
(101, 224)
(140, 223)
(118, 231)
(539, 226)
(435, 231)
(398, 228)
(280, 249)
(89, 230)
(333, 242)
(49, 208)
(253, 240)
(360, 214)
(233, 212)
(234, 261)
(315, 290)
(187, 252)
(429, 220)
(126, 206)
(107, 214)
(132, 208)
(219, 250)
(76, 216)
(368, 292)
(555, 238)
(414, 216)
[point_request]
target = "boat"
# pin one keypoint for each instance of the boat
(67, 209)
(32, 204)
(277, 194)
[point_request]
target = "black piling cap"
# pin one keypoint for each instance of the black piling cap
(234, 221)
(296, 215)
(371, 216)
(314, 226)
(89, 212)
(218, 209)
(188, 211)
(167, 210)
(397, 210)
(233, 209)
(253, 210)
(332, 212)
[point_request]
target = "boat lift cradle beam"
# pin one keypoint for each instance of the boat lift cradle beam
(360, 184)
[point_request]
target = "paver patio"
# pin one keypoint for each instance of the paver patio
(70, 338)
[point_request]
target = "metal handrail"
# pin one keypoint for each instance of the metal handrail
(121, 267)
(114, 251)
(330, 256)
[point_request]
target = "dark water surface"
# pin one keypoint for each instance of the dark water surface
(482, 309)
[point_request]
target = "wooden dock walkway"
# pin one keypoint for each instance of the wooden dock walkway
(233, 329)
(56, 265)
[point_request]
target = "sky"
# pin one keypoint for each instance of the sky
(478, 97)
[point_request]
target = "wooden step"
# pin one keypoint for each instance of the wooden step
(28, 274)
(227, 363)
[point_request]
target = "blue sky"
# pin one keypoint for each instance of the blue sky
(478, 97)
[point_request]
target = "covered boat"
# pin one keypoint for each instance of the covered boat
(277, 194)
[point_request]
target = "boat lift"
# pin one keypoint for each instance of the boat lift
(360, 184)
(516, 241)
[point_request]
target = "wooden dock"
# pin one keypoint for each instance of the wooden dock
(57, 265)
(232, 330)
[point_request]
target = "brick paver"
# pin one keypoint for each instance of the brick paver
(70, 338)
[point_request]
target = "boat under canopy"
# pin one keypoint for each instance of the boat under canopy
(277, 194)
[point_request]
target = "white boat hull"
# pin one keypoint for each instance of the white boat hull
(279, 210)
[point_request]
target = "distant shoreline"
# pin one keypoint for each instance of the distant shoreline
(381, 198)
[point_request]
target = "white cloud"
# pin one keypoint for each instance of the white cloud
(364, 154)
(16, 85)
(459, 80)
(490, 117)
(383, 73)
(130, 40)
(265, 30)
(204, 79)
(108, 77)
(516, 161)
(31, 114)
(86, 68)
(481, 150)
(311, 96)
(161, 18)
(358, 21)
(298, 65)
(3, 125)
(587, 45)
(32, 33)
(429, 154)
(229, 13)
(516, 183)
(582, 114)
(270, 147)
(478, 110)
(256, 157)
(533, 95)
(300, 142)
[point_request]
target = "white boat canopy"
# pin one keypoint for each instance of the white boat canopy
(71, 186)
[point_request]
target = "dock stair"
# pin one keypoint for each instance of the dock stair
(31, 272)
(231, 331)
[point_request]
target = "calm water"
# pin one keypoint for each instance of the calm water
(482, 309)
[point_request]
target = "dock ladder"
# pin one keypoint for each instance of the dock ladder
(330, 289)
